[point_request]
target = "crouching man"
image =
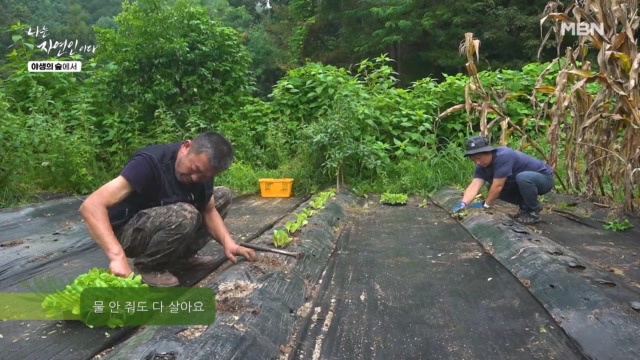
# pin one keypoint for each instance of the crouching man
(163, 208)
(511, 175)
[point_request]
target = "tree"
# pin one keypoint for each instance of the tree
(172, 57)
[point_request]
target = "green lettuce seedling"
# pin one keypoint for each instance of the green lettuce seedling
(291, 226)
(393, 199)
(68, 300)
(280, 238)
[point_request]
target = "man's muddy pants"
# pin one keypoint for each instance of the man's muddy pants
(159, 236)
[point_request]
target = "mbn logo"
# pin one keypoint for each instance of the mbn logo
(581, 29)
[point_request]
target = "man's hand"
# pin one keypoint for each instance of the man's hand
(461, 206)
(479, 205)
(120, 267)
(233, 250)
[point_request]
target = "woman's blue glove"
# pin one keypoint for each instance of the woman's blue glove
(458, 207)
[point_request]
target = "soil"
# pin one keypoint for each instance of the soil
(232, 296)
(192, 331)
(12, 243)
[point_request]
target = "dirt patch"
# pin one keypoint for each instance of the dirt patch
(609, 268)
(616, 271)
(232, 296)
(397, 260)
(311, 289)
(41, 258)
(285, 350)
(232, 305)
(12, 243)
(192, 332)
(475, 254)
(267, 263)
(525, 282)
(489, 249)
(102, 354)
(304, 310)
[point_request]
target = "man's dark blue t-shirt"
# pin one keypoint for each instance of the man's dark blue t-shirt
(507, 163)
(151, 174)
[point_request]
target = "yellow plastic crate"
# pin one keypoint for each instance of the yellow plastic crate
(278, 188)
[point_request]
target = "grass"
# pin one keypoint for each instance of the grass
(422, 176)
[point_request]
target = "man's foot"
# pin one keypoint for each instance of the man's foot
(157, 278)
(193, 263)
(528, 217)
(517, 215)
(522, 211)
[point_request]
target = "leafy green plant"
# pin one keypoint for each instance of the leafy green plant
(359, 192)
(280, 238)
(321, 199)
(617, 225)
(291, 226)
(301, 219)
(309, 212)
(460, 214)
(393, 199)
(68, 300)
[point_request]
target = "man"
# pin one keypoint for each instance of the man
(511, 175)
(163, 208)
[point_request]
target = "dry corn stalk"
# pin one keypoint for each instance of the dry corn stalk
(470, 47)
(491, 101)
(602, 129)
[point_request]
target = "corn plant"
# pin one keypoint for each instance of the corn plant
(602, 129)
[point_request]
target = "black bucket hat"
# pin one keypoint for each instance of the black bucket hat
(478, 144)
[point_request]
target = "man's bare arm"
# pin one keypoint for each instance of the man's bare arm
(94, 213)
(494, 192)
(472, 190)
(215, 225)
(218, 230)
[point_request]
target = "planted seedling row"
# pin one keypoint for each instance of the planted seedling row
(281, 237)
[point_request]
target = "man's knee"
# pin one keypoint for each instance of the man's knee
(181, 216)
(542, 182)
(223, 198)
(525, 176)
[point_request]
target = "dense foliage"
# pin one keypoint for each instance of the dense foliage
(422, 37)
(166, 70)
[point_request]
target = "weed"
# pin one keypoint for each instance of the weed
(617, 225)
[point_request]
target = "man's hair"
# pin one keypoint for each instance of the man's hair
(218, 149)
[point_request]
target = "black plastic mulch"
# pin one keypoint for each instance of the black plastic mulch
(595, 307)
(411, 283)
(616, 252)
(258, 303)
(376, 282)
(48, 243)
